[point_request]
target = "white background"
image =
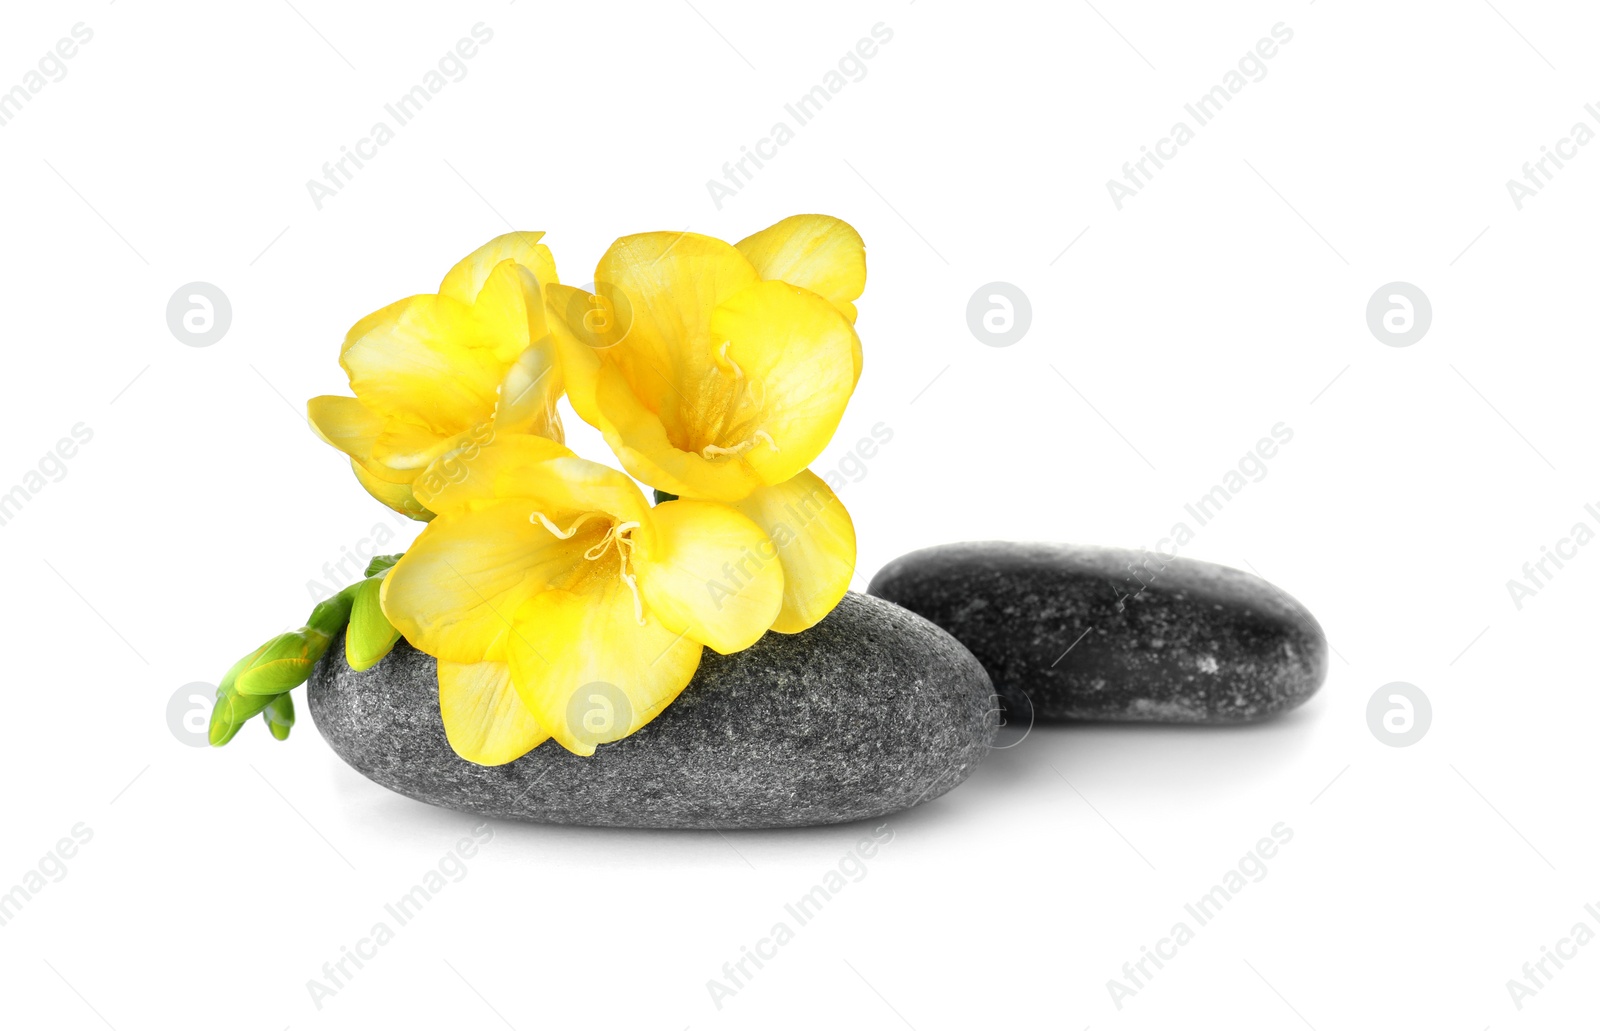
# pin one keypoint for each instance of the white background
(1228, 296)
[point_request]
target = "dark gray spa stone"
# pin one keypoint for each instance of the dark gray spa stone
(871, 711)
(1073, 632)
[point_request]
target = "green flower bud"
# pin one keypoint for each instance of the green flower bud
(330, 615)
(370, 635)
(232, 711)
(279, 715)
(221, 731)
(223, 724)
(261, 681)
(284, 664)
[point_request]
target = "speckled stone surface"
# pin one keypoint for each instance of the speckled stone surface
(1075, 632)
(871, 711)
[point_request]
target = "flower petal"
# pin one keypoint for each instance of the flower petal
(666, 286)
(821, 253)
(639, 438)
(482, 466)
(768, 405)
(397, 496)
(454, 592)
(572, 486)
(588, 671)
(404, 449)
(510, 310)
(646, 312)
(706, 569)
(484, 719)
(816, 545)
(795, 350)
(529, 393)
(670, 282)
(345, 423)
(424, 360)
(466, 279)
(582, 325)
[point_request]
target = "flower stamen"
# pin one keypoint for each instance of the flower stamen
(625, 543)
(540, 517)
(711, 451)
(726, 362)
(617, 534)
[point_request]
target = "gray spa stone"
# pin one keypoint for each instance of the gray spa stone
(1074, 632)
(871, 711)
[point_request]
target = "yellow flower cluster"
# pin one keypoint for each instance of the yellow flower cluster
(559, 602)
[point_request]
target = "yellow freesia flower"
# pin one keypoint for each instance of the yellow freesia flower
(560, 604)
(720, 372)
(439, 374)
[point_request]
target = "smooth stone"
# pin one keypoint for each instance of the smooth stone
(1074, 632)
(871, 711)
